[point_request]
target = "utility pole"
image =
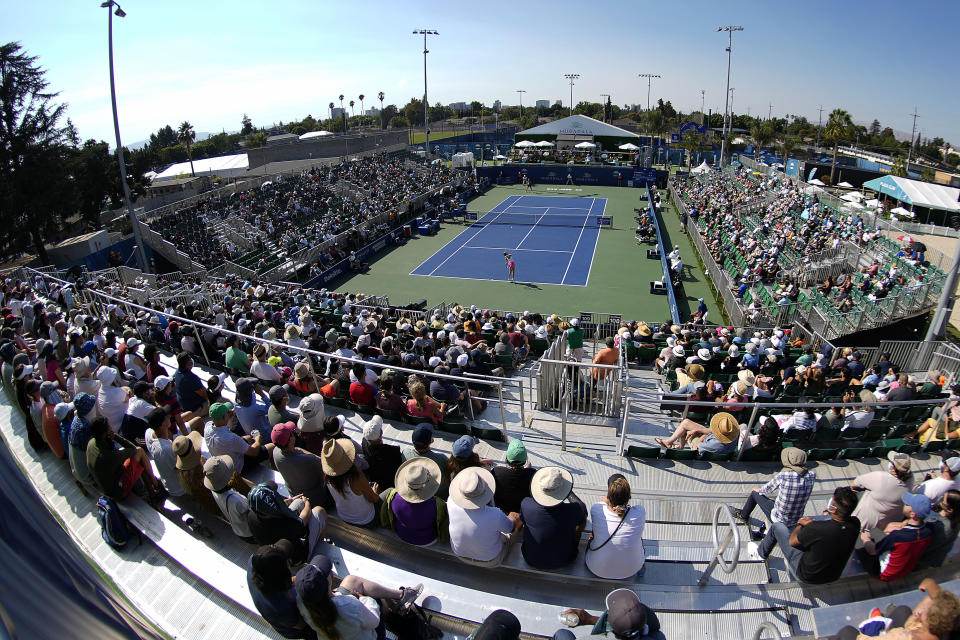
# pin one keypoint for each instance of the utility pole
(521, 92)
(426, 104)
(571, 77)
(729, 29)
(770, 112)
(607, 96)
(819, 125)
(913, 131)
(649, 77)
(703, 102)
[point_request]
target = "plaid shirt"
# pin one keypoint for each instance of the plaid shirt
(792, 493)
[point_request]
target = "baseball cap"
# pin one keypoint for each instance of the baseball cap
(919, 503)
(625, 613)
(900, 461)
(952, 463)
(516, 452)
(463, 447)
(311, 583)
(280, 434)
(220, 409)
(162, 382)
(574, 321)
(422, 434)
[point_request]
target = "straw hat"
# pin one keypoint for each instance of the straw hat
(187, 449)
(747, 377)
(418, 479)
(292, 332)
(644, 330)
(472, 488)
(724, 427)
(695, 371)
(551, 485)
(338, 456)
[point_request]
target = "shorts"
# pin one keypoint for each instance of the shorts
(132, 470)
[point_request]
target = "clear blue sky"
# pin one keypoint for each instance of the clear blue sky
(210, 62)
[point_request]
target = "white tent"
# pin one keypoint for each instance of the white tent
(900, 211)
(873, 204)
(816, 183)
(628, 147)
(585, 145)
(523, 144)
(543, 143)
(845, 185)
(464, 159)
(223, 166)
(579, 125)
(853, 196)
(703, 168)
(315, 134)
(853, 205)
(916, 192)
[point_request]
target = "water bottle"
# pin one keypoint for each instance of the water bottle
(255, 434)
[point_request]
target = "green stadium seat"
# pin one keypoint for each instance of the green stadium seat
(680, 454)
(826, 433)
(852, 453)
(487, 433)
(900, 430)
(711, 456)
(822, 454)
(759, 455)
(633, 451)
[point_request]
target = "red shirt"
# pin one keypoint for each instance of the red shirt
(361, 393)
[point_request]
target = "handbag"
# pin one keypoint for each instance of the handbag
(589, 548)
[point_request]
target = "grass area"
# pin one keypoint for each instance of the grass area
(619, 279)
(418, 136)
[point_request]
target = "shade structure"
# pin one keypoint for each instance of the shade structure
(816, 182)
(703, 168)
(873, 203)
(543, 143)
(853, 196)
(315, 134)
(916, 192)
(845, 185)
(900, 211)
(585, 145)
(853, 205)
(523, 144)
(628, 147)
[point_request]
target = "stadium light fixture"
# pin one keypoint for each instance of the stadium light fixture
(137, 236)
(521, 92)
(571, 77)
(426, 104)
(723, 143)
(649, 77)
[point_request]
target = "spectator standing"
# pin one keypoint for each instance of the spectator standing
(553, 519)
(574, 340)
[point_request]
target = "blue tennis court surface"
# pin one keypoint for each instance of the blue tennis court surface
(552, 240)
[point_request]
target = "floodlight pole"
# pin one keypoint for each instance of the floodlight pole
(649, 77)
(607, 96)
(723, 143)
(137, 238)
(521, 92)
(571, 77)
(913, 132)
(426, 104)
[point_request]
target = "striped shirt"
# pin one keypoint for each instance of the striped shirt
(793, 490)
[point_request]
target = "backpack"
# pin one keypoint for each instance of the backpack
(412, 624)
(114, 526)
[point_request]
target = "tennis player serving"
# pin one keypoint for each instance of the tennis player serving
(511, 267)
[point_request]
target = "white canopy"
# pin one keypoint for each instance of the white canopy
(544, 143)
(916, 192)
(845, 185)
(853, 196)
(874, 203)
(462, 159)
(816, 182)
(585, 145)
(499, 157)
(900, 211)
(703, 168)
(853, 205)
(579, 125)
(628, 147)
(523, 144)
(315, 134)
(223, 166)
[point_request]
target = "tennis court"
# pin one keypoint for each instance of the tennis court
(552, 241)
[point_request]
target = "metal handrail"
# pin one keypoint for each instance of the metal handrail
(720, 546)
(768, 626)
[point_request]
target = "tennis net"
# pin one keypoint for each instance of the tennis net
(532, 219)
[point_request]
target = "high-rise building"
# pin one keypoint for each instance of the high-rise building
(544, 104)
(496, 105)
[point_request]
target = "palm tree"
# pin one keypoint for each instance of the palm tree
(331, 111)
(787, 145)
(381, 96)
(186, 135)
(762, 134)
(343, 114)
(362, 114)
(656, 123)
(837, 128)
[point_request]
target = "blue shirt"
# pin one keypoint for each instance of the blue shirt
(710, 444)
(253, 416)
(187, 383)
(548, 538)
(279, 609)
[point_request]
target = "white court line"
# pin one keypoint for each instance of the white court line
(582, 229)
(595, 241)
(509, 249)
(549, 284)
(532, 228)
(467, 230)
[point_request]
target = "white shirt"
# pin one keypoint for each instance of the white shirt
(475, 533)
(264, 371)
(112, 404)
(624, 555)
(234, 506)
(357, 618)
(161, 452)
(139, 408)
(934, 488)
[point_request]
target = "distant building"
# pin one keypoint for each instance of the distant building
(496, 105)
(338, 112)
(558, 103)
(372, 111)
(458, 106)
(545, 104)
(283, 138)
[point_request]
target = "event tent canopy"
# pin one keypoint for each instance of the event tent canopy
(223, 166)
(523, 144)
(915, 192)
(315, 134)
(578, 125)
(845, 185)
(543, 143)
(585, 145)
(900, 211)
(628, 147)
(853, 196)
(703, 168)
(816, 182)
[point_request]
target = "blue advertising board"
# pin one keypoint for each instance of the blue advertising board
(581, 175)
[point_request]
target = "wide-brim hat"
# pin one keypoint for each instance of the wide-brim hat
(338, 456)
(678, 351)
(188, 449)
(794, 458)
(747, 377)
(417, 479)
(901, 461)
(724, 427)
(551, 485)
(472, 488)
(311, 413)
(644, 330)
(217, 472)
